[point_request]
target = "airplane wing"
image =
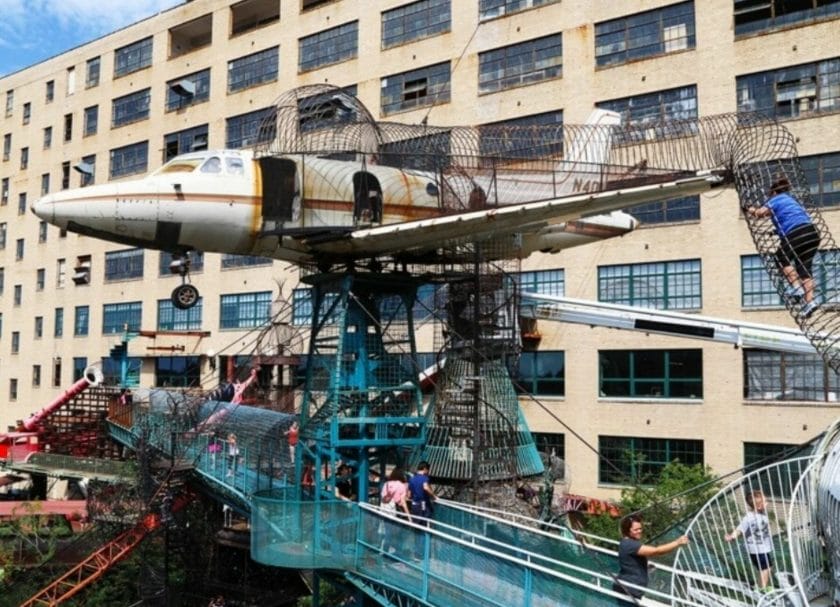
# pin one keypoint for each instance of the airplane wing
(416, 237)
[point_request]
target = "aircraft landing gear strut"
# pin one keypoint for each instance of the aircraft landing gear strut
(185, 295)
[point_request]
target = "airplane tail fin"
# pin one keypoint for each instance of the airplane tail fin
(590, 143)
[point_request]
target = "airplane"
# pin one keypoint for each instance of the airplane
(327, 210)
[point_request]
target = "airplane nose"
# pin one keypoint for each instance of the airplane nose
(44, 207)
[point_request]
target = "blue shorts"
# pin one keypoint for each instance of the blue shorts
(762, 561)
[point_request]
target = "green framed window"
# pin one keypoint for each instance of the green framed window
(651, 373)
(783, 376)
(665, 285)
(641, 460)
(542, 373)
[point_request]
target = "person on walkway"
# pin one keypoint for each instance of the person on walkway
(292, 439)
(232, 453)
(755, 527)
(633, 558)
(394, 502)
(345, 488)
(422, 500)
(799, 242)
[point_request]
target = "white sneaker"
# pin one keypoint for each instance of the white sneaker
(792, 292)
(808, 309)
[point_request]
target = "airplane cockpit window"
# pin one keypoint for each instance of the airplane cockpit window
(212, 165)
(234, 164)
(180, 165)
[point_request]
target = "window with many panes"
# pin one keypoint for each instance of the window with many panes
(648, 34)
(542, 282)
(245, 310)
(783, 376)
(129, 160)
(81, 321)
(325, 110)
(131, 108)
(641, 115)
(542, 373)
(752, 17)
(519, 64)
(133, 57)
(119, 317)
(47, 137)
(92, 69)
(165, 259)
(415, 21)
(122, 265)
(822, 172)
(58, 322)
(490, 9)
(39, 327)
(791, 92)
(329, 46)
(665, 285)
(244, 130)
(634, 460)
(171, 318)
(181, 142)
(651, 373)
(417, 88)
(253, 70)
(757, 289)
(242, 261)
(527, 137)
(87, 172)
(674, 210)
(177, 371)
(119, 371)
(550, 443)
(758, 455)
(79, 366)
(178, 97)
(40, 279)
(91, 120)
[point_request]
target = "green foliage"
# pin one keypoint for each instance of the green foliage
(330, 595)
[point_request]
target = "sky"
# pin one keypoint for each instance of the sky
(34, 30)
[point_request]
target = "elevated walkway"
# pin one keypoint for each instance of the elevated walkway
(68, 466)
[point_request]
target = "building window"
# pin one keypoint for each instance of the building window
(42, 231)
(131, 108)
(10, 102)
(165, 259)
(668, 285)
(329, 46)
(651, 373)
(7, 146)
(782, 376)
(92, 72)
(308, 4)
(639, 460)
(50, 91)
(417, 88)
(177, 96)
(60, 273)
(120, 317)
(192, 35)
(81, 272)
(542, 373)
(302, 306)
(71, 81)
(758, 455)
(24, 158)
(68, 127)
(15, 342)
(675, 210)
(45, 184)
(13, 389)
(65, 175)
(243, 261)
(122, 371)
(3, 233)
(19, 248)
(87, 170)
(791, 92)
(550, 443)
(542, 282)
(177, 371)
(47, 137)
(81, 321)
(36, 375)
(40, 279)
(56, 372)
(59, 323)
(490, 9)
(245, 310)
(526, 137)
(18, 295)
(253, 70)
(244, 130)
(129, 160)
(27, 112)
(822, 172)
(519, 64)
(415, 21)
(649, 34)
(39, 327)
(22, 203)
(753, 17)
(651, 109)
(79, 366)
(133, 57)
(123, 265)
(4, 191)
(171, 318)
(181, 142)
(252, 14)
(91, 119)
(757, 289)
